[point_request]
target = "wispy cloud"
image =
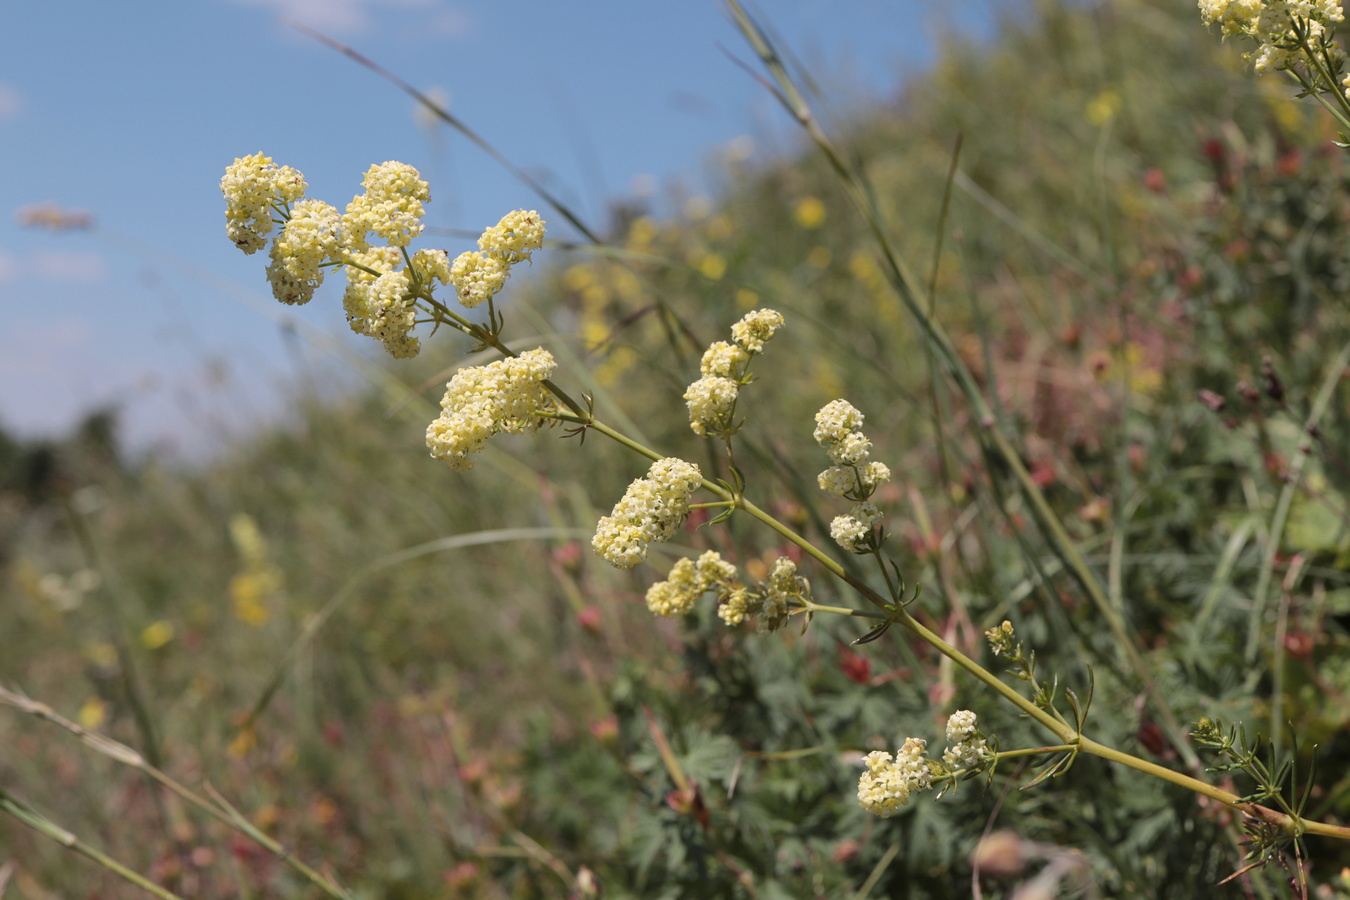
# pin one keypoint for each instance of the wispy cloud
(11, 102)
(69, 265)
(434, 17)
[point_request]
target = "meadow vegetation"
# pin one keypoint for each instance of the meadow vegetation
(424, 683)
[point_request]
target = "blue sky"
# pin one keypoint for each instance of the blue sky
(130, 112)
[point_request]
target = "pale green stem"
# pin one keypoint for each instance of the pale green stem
(814, 607)
(41, 824)
(221, 811)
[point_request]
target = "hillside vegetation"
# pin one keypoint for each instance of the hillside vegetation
(424, 683)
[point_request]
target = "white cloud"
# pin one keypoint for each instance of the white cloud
(348, 16)
(11, 102)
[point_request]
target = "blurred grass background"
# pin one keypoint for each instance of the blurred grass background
(1136, 219)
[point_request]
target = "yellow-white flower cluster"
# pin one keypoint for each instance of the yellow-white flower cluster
(479, 275)
(688, 580)
(380, 300)
(311, 236)
(769, 604)
(888, 781)
(1284, 30)
(391, 206)
(854, 530)
(852, 475)
(651, 510)
(504, 396)
(255, 189)
(381, 296)
(724, 369)
(967, 746)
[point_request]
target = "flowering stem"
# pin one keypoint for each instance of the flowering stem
(1036, 751)
(812, 607)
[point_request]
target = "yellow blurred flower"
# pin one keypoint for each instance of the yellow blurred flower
(810, 212)
(248, 540)
(101, 654)
(93, 713)
(246, 599)
(746, 298)
(257, 579)
(576, 278)
(819, 257)
(621, 361)
(594, 332)
(641, 233)
(157, 634)
(1103, 107)
(712, 267)
(594, 296)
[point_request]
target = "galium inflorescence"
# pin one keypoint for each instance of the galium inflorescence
(1291, 35)
(724, 370)
(390, 291)
(888, 782)
(852, 475)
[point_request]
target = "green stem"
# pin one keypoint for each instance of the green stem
(41, 824)
(220, 810)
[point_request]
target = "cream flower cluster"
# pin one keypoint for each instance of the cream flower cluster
(967, 746)
(479, 275)
(381, 296)
(381, 299)
(504, 396)
(888, 781)
(311, 237)
(853, 475)
(688, 580)
(255, 189)
(650, 511)
(854, 530)
(769, 602)
(391, 206)
(723, 370)
(1280, 28)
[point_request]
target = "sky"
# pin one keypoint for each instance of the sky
(122, 117)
